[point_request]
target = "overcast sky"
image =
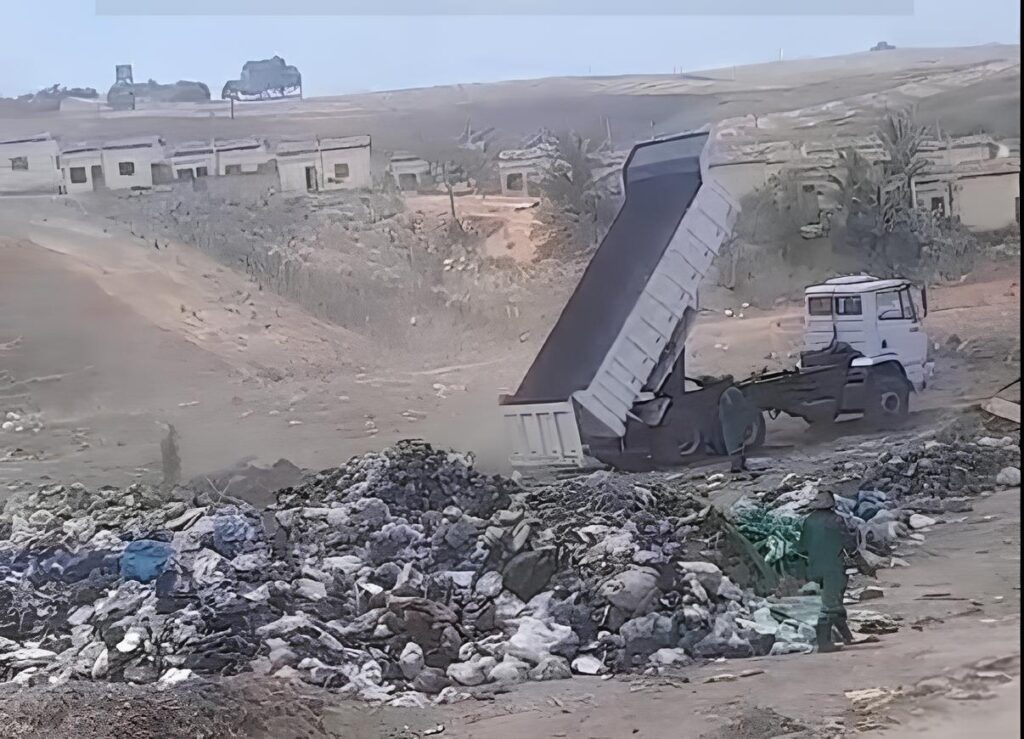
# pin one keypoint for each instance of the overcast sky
(65, 41)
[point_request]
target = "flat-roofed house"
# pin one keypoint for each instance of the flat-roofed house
(192, 159)
(30, 164)
(243, 156)
(314, 165)
(122, 164)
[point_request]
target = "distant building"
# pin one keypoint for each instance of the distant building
(30, 164)
(982, 195)
(409, 171)
(125, 164)
(196, 159)
(521, 170)
(192, 159)
(243, 156)
(314, 165)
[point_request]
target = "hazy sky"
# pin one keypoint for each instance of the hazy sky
(48, 41)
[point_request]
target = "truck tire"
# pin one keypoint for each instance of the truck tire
(888, 398)
(756, 432)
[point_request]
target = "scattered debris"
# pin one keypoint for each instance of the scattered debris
(396, 577)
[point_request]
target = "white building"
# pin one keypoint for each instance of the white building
(324, 164)
(984, 196)
(192, 159)
(409, 171)
(125, 164)
(243, 156)
(81, 166)
(29, 164)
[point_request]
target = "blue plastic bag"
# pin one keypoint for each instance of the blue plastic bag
(145, 559)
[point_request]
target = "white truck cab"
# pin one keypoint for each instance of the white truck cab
(880, 318)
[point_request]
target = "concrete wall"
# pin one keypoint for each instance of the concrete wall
(927, 194)
(404, 172)
(42, 174)
(250, 160)
(960, 154)
(142, 163)
(356, 160)
(525, 172)
(192, 163)
(988, 202)
(84, 160)
(292, 169)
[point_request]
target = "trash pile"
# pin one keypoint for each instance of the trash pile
(401, 575)
(885, 497)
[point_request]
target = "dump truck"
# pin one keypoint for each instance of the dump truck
(609, 384)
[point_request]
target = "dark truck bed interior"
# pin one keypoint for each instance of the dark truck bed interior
(661, 179)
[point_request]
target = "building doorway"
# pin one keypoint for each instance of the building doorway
(408, 181)
(98, 182)
(311, 179)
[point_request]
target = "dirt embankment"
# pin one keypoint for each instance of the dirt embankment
(410, 278)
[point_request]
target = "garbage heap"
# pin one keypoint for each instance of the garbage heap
(400, 575)
(893, 486)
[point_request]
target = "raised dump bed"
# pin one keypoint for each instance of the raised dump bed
(622, 330)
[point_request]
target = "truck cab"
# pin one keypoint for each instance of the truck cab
(880, 319)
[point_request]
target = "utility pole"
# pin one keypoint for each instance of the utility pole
(451, 192)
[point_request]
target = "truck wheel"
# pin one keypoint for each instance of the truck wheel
(754, 437)
(888, 399)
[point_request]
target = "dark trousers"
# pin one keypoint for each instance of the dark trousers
(833, 588)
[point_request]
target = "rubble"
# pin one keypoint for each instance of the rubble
(892, 489)
(403, 573)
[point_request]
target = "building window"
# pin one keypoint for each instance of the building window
(939, 206)
(184, 174)
(201, 172)
(126, 169)
(78, 175)
(341, 171)
(514, 182)
(19, 163)
(233, 169)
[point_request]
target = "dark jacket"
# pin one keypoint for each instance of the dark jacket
(824, 537)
